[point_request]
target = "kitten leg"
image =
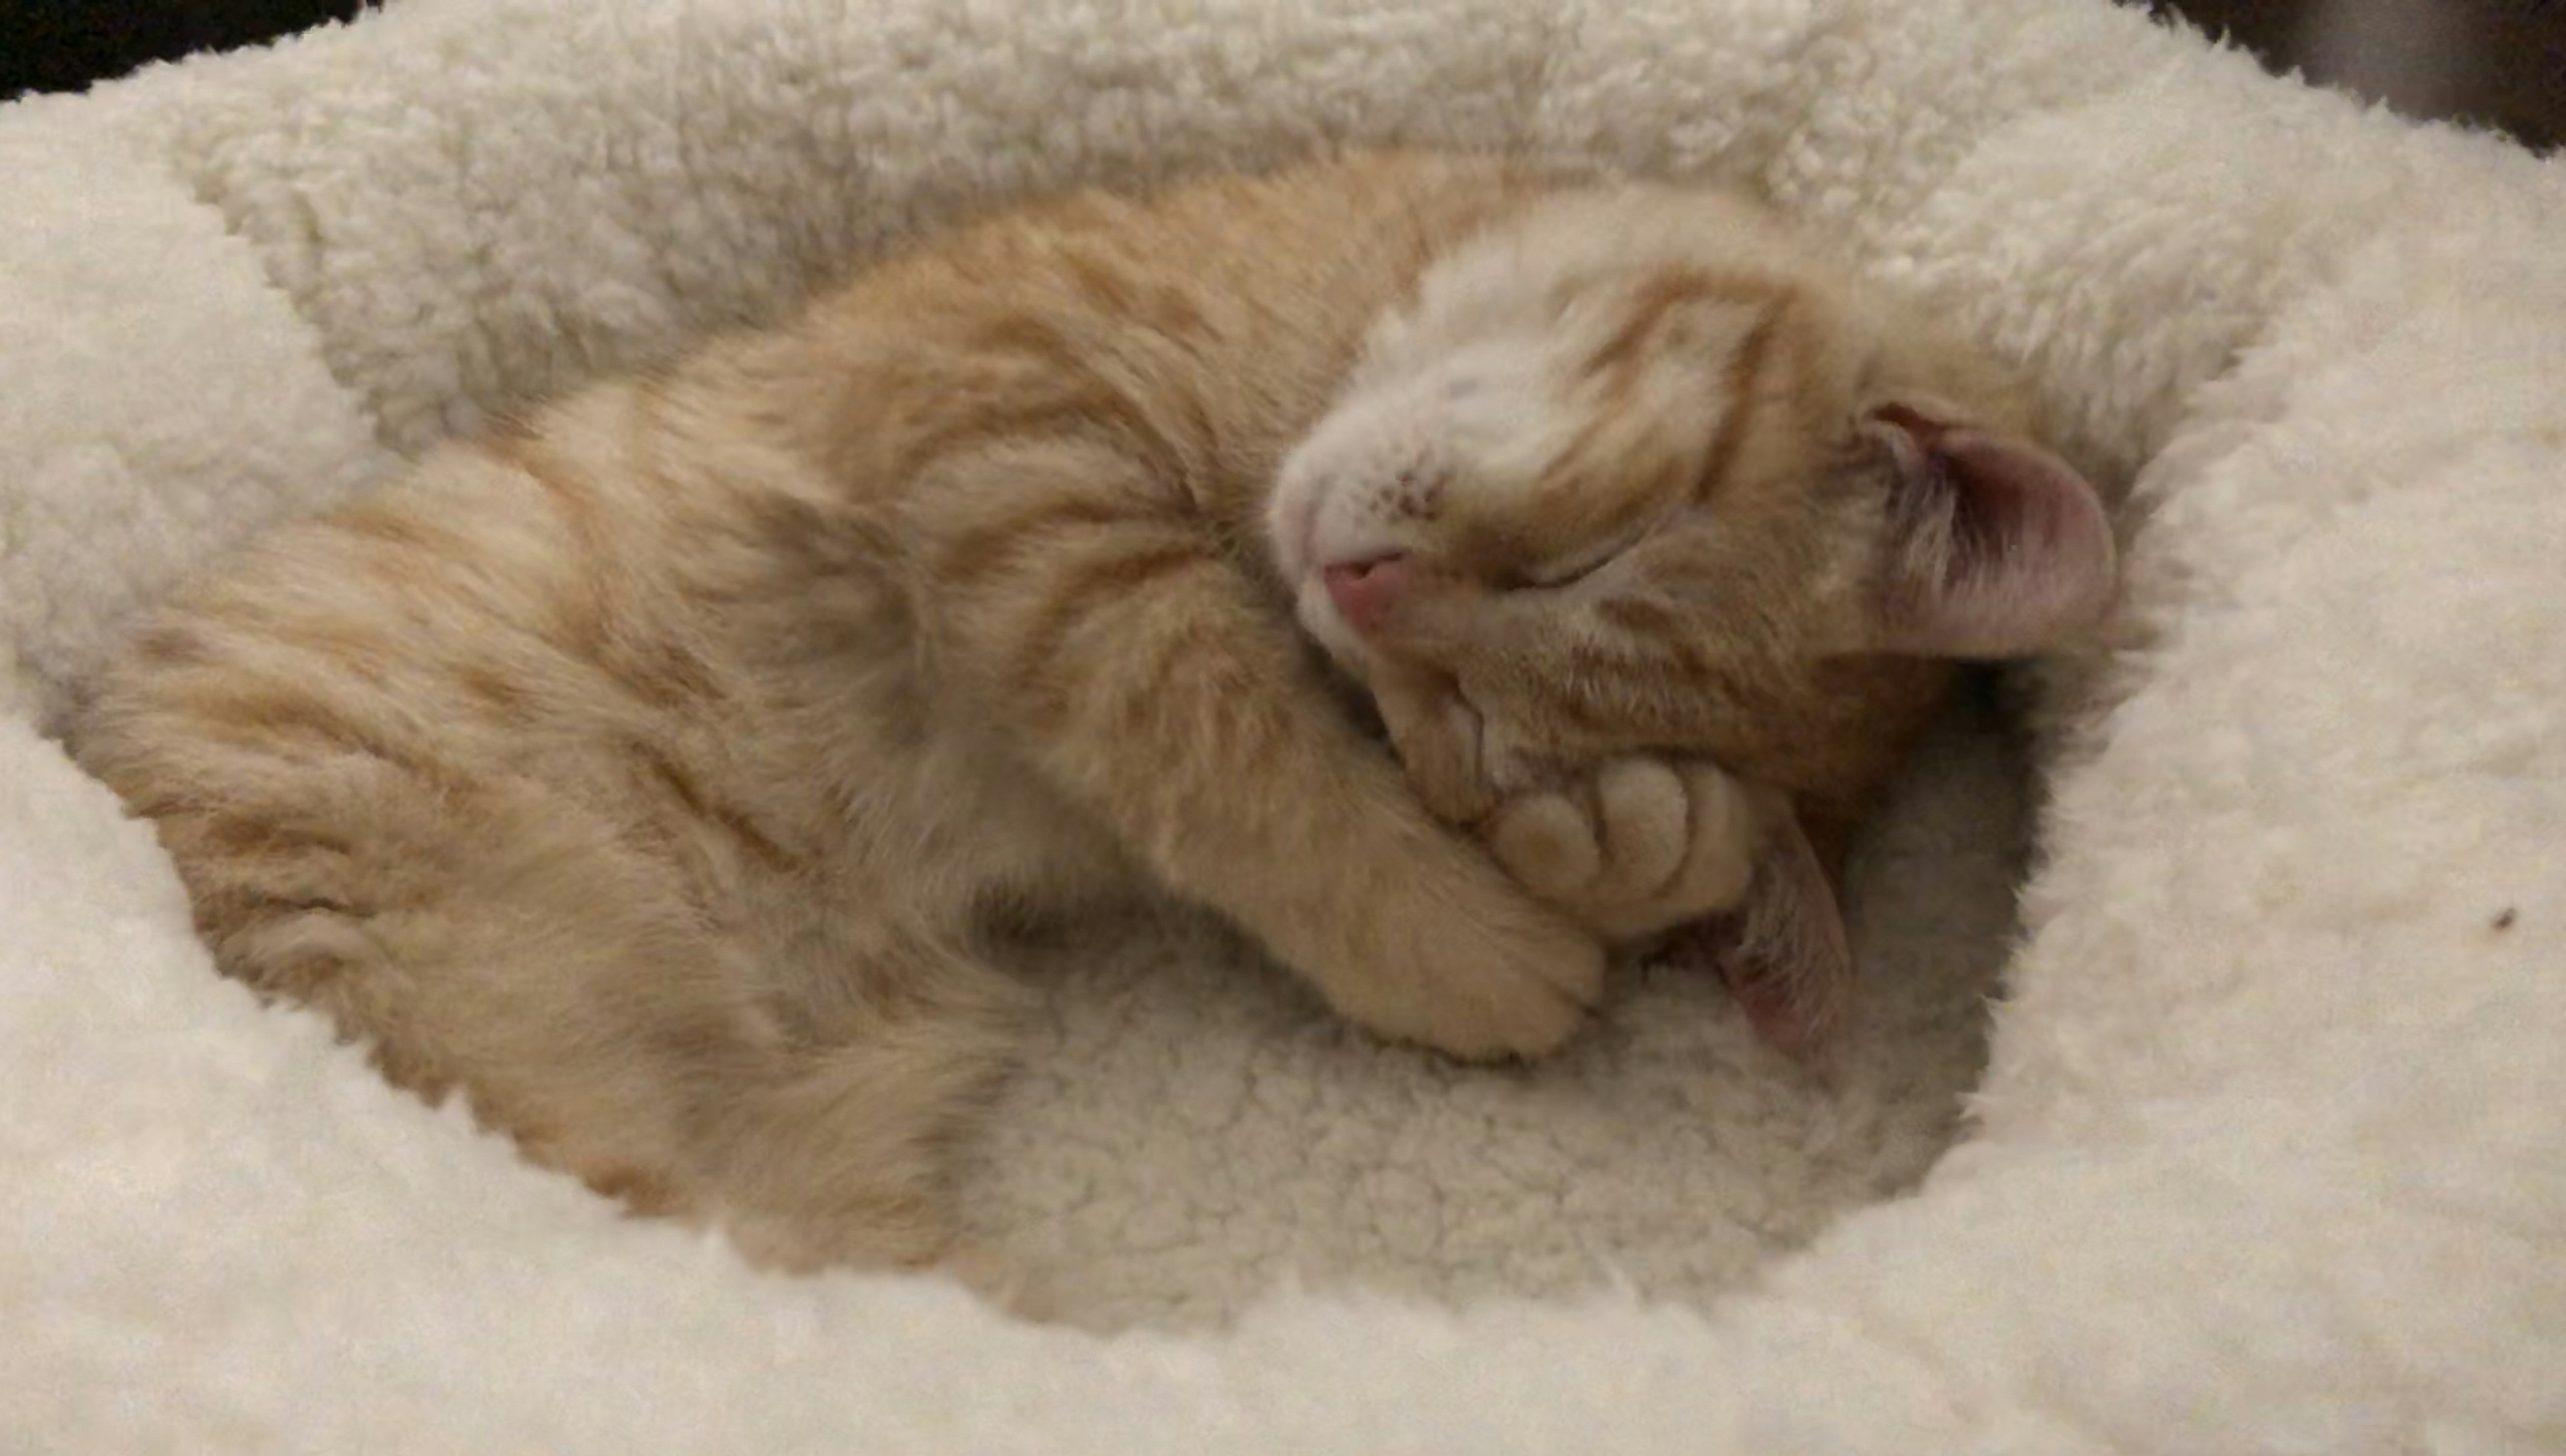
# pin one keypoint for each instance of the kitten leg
(1142, 669)
(623, 1043)
(504, 942)
(838, 1145)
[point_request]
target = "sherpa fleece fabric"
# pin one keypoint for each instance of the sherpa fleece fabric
(2262, 1149)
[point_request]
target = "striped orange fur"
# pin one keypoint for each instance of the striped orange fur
(651, 770)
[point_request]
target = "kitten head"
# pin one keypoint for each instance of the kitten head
(1639, 473)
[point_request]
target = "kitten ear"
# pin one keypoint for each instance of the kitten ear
(1997, 546)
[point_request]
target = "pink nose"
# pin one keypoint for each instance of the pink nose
(1365, 590)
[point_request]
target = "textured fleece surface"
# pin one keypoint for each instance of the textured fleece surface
(2267, 1142)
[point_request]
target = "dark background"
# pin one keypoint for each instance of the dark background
(63, 45)
(2500, 63)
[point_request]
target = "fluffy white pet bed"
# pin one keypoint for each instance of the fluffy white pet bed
(2269, 1150)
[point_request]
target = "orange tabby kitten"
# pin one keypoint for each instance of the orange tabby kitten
(651, 771)
(1639, 474)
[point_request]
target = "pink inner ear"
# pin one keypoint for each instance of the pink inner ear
(1997, 547)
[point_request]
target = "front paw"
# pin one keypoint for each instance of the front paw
(1634, 846)
(1460, 764)
(1471, 968)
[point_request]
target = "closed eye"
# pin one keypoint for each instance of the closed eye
(1567, 571)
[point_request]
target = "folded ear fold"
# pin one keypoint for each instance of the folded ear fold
(1997, 548)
